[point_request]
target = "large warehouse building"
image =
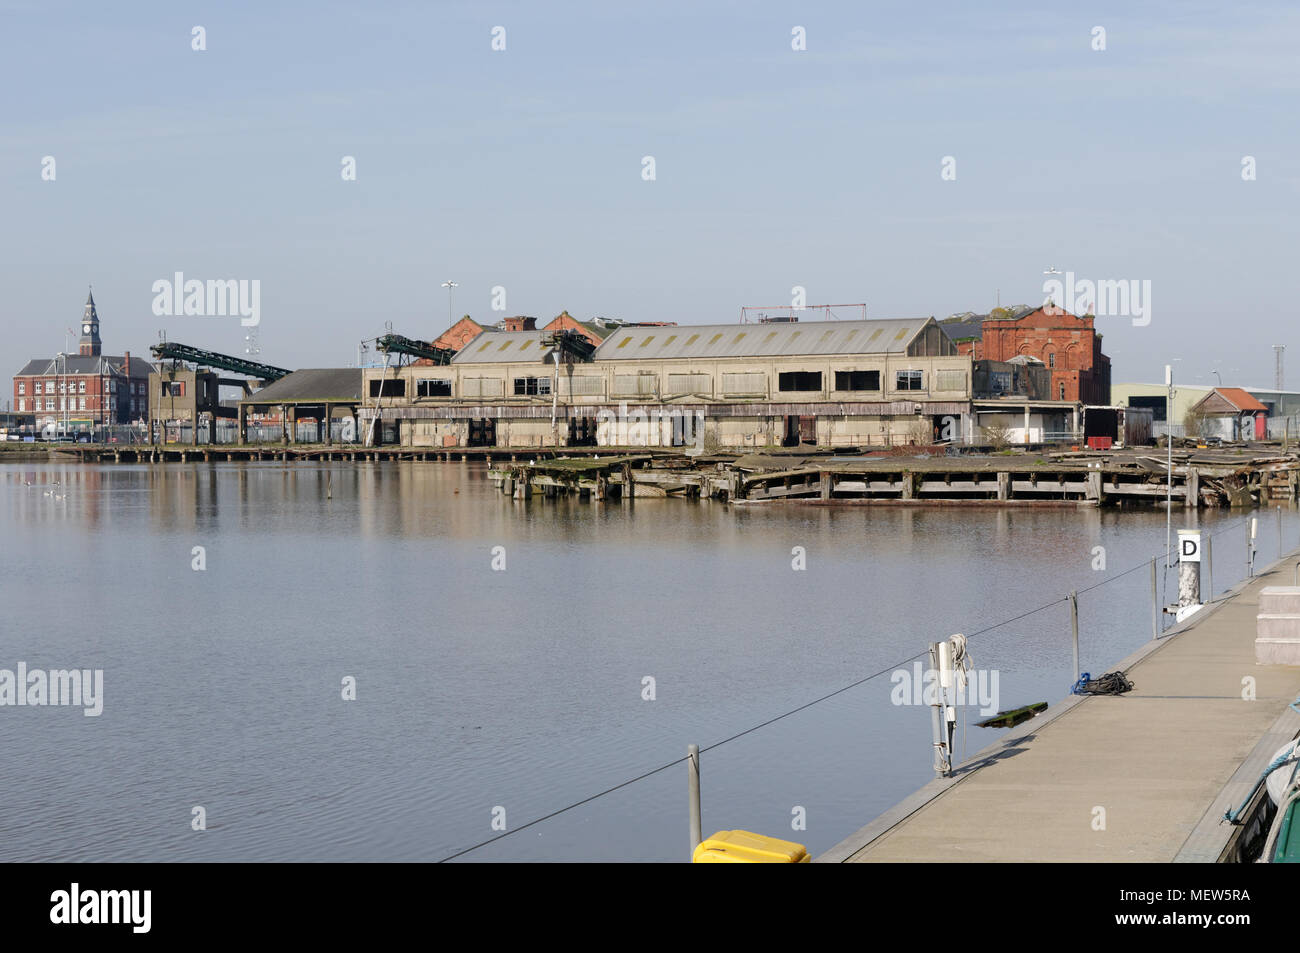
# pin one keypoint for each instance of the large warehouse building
(833, 383)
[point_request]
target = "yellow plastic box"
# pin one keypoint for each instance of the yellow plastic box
(744, 847)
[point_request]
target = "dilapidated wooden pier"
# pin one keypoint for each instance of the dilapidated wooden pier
(1244, 476)
(1075, 478)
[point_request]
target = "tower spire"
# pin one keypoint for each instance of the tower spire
(89, 345)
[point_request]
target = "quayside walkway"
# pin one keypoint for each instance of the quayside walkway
(1163, 761)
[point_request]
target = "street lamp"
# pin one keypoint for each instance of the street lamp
(63, 387)
(1216, 374)
(450, 286)
(1169, 464)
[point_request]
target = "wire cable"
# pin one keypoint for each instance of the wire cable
(547, 817)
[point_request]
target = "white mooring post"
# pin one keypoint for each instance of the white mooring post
(936, 718)
(943, 716)
(1251, 530)
(1189, 572)
(693, 795)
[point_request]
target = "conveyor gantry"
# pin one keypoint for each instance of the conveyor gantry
(170, 350)
(396, 344)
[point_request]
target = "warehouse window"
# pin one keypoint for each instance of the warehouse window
(800, 381)
(907, 380)
(432, 387)
(532, 386)
(583, 385)
(481, 387)
(387, 387)
(636, 385)
(690, 383)
(748, 383)
(950, 380)
(857, 380)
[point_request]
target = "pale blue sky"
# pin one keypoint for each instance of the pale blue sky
(775, 168)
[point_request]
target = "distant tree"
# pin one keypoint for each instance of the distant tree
(1199, 424)
(920, 433)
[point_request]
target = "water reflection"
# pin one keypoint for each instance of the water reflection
(521, 687)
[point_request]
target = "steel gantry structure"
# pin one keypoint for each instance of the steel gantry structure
(170, 350)
(396, 344)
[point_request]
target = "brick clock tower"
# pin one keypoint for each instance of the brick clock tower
(90, 345)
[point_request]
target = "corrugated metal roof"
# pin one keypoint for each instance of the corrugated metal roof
(501, 346)
(311, 384)
(760, 340)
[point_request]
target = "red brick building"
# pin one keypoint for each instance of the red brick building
(1069, 345)
(457, 336)
(86, 389)
(595, 331)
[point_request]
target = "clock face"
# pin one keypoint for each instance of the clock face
(85, 329)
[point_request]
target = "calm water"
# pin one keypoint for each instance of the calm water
(520, 688)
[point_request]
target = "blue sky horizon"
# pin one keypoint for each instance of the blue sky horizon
(522, 168)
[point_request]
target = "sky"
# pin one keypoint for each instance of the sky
(921, 159)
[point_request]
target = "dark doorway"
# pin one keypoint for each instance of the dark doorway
(808, 431)
(800, 431)
(790, 436)
(582, 432)
(483, 432)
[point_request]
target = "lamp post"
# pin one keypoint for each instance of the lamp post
(63, 397)
(451, 290)
(1169, 472)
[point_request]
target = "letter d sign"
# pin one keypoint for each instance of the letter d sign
(1189, 546)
